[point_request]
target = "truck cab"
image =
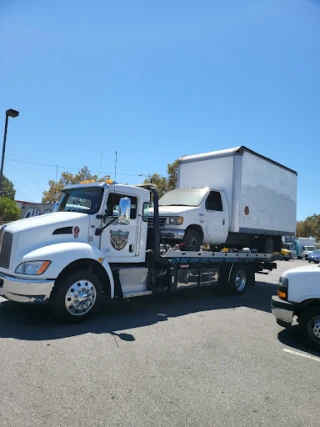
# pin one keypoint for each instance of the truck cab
(306, 250)
(193, 216)
(298, 297)
(87, 231)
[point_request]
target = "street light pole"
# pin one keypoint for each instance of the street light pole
(9, 113)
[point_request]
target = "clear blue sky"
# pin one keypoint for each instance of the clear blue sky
(157, 80)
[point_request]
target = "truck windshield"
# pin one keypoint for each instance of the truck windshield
(82, 200)
(190, 197)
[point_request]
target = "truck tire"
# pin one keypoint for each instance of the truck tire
(237, 282)
(192, 241)
(309, 325)
(76, 297)
(268, 246)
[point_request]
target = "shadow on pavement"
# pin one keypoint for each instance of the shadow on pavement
(36, 322)
(291, 338)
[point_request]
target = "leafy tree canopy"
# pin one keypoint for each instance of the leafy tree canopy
(53, 194)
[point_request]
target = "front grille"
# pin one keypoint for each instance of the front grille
(5, 251)
(162, 221)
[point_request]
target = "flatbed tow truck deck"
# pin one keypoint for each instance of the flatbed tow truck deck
(176, 270)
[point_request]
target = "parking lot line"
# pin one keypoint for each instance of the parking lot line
(317, 359)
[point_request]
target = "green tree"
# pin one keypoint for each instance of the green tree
(8, 188)
(159, 181)
(9, 211)
(165, 184)
(172, 174)
(53, 194)
(309, 227)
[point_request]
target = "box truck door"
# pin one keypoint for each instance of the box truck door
(215, 218)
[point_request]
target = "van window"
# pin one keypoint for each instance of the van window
(214, 202)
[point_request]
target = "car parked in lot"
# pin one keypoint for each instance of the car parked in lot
(314, 256)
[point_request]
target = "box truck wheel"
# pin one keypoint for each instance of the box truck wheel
(76, 297)
(192, 240)
(238, 280)
(268, 246)
(309, 325)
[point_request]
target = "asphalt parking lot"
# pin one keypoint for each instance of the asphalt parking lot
(199, 358)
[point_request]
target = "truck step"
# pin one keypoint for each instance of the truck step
(136, 294)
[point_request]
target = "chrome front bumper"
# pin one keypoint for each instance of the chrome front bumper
(25, 290)
(173, 234)
(282, 310)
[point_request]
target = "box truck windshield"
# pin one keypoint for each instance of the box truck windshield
(310, 248)
(190, 197)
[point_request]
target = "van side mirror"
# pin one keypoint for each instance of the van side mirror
(124, 211)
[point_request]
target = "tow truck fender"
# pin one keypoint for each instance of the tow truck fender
(63, 254)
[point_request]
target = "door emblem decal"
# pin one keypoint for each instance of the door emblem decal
(119, 239)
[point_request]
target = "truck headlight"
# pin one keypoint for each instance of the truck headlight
(283, 288)
(175, 220)
(33, 267)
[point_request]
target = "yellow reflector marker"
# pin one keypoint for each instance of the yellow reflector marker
(100, 259)
(44, 266)
(282, 294)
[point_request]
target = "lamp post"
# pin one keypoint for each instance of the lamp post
(9, 113)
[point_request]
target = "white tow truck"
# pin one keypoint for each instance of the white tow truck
(99, 242)
(298, 298)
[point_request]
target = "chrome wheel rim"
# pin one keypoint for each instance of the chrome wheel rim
(314, 328)
(240, 280)
(80, 297)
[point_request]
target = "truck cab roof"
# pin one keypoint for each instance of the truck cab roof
(119, 188)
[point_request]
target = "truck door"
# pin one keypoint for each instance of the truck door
(120, 242)
(215, 224)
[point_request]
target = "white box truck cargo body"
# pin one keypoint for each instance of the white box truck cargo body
(306, 246)
(261, 193)
(256, 199)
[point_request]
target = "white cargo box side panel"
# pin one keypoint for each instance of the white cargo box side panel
(306, 241)
(214, 172)
(268, 197)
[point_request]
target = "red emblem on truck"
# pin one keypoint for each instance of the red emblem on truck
(246, 210)
(76, 231)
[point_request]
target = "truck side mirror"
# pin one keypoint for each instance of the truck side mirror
(124, 211)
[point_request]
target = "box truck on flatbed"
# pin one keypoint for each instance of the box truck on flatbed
(230, 198)
(99, 243)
